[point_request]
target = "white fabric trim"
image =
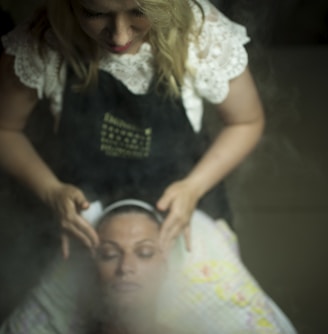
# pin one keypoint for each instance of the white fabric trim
(214, 59)
(96, 212)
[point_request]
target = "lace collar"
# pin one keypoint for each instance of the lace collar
(134, 70)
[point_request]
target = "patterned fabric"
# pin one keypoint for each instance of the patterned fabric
(216, 57)
(210, 291)
(207, 291)
(55, 305)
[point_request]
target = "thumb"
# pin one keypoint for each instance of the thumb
(164, 202)
(80, 200)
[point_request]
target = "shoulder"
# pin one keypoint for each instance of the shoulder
(217, 54)
(209, 19)
(215, 31)
(18, 39)
(16, 99)
(32, 67)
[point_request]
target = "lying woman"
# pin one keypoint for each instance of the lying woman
(131, 270)
(207, 290)
(141, 290)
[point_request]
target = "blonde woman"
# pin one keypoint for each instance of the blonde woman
(125, 80)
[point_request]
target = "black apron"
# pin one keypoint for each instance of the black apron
(116, 144)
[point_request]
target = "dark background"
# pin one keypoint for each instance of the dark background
(279, 195)
(282, 22)
(273, 22)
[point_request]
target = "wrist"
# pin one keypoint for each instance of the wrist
(196, 186)
(46, 189)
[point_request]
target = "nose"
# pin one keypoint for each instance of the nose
(127, 265)
(120, 28)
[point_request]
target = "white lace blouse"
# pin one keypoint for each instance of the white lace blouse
(218, 57)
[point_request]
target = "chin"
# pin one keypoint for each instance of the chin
(114, 300)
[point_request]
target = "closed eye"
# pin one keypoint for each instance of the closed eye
(89, 13)
(145, 252)
(146, 255)
(137, 12)
(104, 255)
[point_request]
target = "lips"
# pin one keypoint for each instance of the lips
(119, 48)
(125, 287)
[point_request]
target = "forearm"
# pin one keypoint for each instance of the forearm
(19, 159)
(228, 150)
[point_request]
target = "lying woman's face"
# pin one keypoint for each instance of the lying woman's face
(130, 263)
(118, 26)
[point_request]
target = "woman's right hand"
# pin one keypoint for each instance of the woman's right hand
(17, 101)
(67, 201)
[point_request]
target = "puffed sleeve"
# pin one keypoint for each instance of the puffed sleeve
(41, 73)
(29, 66)
(219, 54)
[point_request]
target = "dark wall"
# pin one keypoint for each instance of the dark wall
(6, 24)
(272, 22)
(281, 22)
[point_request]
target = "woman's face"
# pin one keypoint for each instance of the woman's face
(130, 264)
(118, 26)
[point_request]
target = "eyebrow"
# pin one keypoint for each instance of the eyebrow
(95, 8)
(105, 241)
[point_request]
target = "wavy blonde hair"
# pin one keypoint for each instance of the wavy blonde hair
(172, 24)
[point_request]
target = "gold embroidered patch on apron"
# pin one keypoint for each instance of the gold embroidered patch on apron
(121, 139)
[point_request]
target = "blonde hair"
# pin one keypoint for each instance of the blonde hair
(172, 24)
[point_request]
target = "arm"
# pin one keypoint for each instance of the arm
(18, 157)
(243, 118)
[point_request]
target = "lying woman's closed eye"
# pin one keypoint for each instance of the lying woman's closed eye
(108, 254)
(145, 252)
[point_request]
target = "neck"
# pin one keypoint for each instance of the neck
(129, 329)
(140, 321)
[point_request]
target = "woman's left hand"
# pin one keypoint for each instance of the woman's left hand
(179, 199)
